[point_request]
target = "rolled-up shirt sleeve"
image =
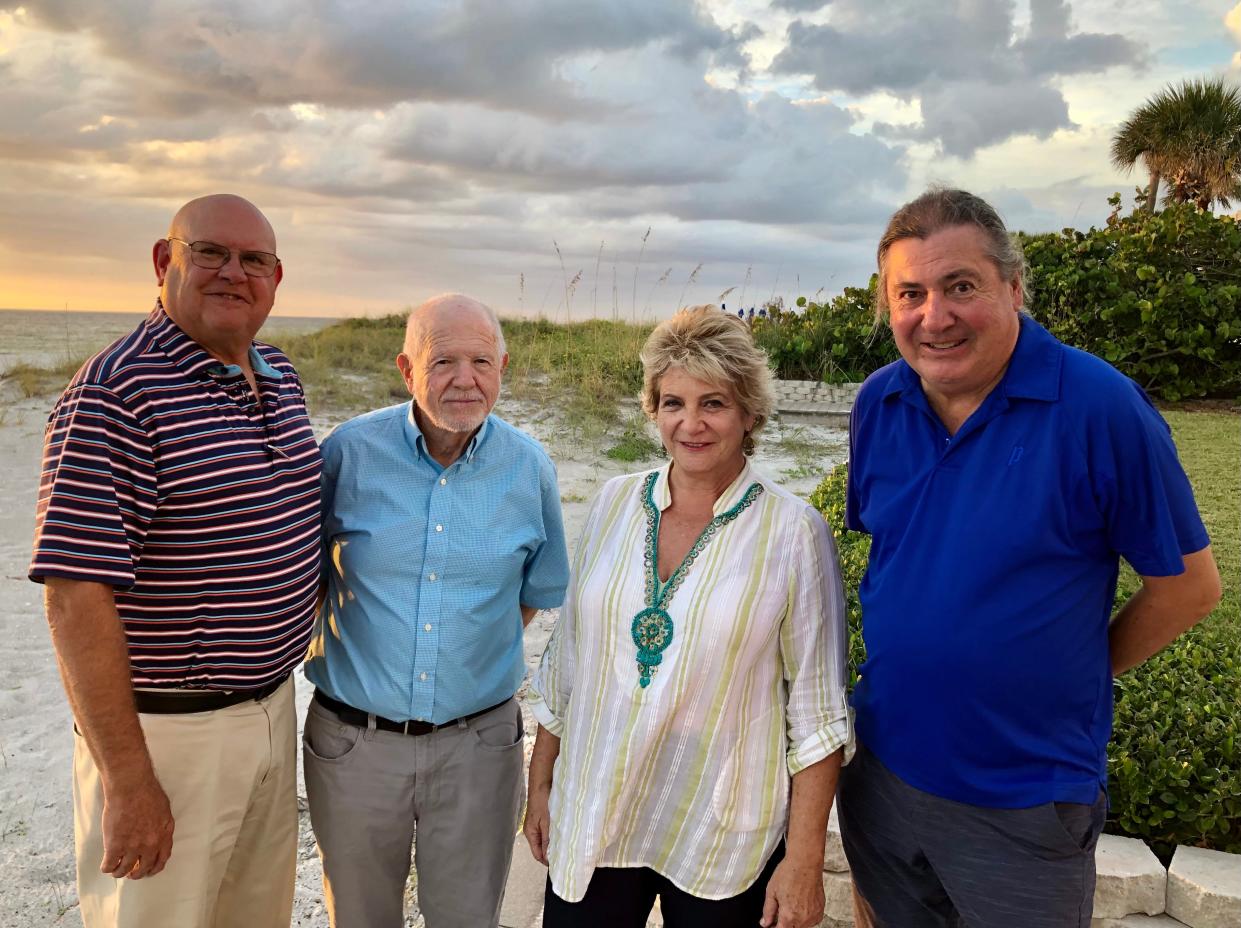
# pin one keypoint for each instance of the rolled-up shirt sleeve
(814, 651)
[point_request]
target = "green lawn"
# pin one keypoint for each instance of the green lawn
(1210, 447)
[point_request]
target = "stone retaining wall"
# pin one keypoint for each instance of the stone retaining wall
(812, 391)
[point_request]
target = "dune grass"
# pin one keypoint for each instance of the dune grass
(33, 380)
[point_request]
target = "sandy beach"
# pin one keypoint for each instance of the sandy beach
(36, 814)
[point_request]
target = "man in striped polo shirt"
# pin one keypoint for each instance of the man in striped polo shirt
(177, 535)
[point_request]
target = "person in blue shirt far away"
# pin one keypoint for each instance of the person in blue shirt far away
(442, 537)
(1001, 475)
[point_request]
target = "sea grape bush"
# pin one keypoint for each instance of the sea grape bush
(1156, 294)
(837, 341)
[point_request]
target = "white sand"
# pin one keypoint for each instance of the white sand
(36, 815)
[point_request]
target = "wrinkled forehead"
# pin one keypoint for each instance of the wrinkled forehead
(455, 332)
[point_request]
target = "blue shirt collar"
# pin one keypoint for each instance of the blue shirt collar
(418, 443)
(1033, 370)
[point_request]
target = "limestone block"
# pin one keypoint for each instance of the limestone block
(1129, 879)
(834, 860)
(838, 890)
(1137, 921)
(1204, 888)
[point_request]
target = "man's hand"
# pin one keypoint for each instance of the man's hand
(538, 822)
(137, 831)
(794, 896)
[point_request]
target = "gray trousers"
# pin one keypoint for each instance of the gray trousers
(922, 861)
(453, 795)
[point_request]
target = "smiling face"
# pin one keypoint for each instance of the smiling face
(452, 366)
(702, 426)
(953, 316)
(221, 309)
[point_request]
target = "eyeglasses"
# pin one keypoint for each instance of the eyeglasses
(211, 256)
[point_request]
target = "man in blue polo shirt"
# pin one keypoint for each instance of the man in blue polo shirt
(1001, 476)
(442, 538)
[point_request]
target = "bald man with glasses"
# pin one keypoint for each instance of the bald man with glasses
(177, 537)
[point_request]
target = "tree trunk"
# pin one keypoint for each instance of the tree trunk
(1152, 195)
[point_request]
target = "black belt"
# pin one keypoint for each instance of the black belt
(181, 702)
(352, 716)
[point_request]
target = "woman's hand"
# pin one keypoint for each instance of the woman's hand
(795, 890)
(538, 825)
(794, 895)
(538, 821)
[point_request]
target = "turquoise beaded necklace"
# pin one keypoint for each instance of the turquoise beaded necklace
(652, 627)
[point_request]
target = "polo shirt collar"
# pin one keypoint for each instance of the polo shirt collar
(191, 357)
(418, 442)
(661, 493)
(1033, 370)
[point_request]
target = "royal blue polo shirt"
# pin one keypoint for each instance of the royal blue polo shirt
(993, 567)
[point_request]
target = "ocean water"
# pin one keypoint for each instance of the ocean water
(46, 337)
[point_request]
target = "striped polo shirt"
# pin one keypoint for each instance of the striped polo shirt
(165, 477)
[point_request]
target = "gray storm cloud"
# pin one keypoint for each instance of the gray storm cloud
(977, 80)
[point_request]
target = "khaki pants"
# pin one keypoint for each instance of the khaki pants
(453, 794)
(231, 778)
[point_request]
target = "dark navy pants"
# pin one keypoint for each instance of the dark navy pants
(922, 861)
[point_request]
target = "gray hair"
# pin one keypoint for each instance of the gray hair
(941, 208)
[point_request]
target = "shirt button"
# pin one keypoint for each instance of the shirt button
(431, 578)
(439, 528)
(443, 481)
(427, 627)
(422, 676)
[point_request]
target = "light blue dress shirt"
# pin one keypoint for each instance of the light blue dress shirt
(427, 566)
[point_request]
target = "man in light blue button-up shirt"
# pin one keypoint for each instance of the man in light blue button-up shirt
(442, 537)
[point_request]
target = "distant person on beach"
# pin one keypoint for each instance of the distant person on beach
(696, 677)
(1002, 476)
(175, 534)
(443, 537)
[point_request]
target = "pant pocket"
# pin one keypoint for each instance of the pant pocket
(501, 730)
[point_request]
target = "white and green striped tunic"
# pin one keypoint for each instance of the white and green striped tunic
(690, 776)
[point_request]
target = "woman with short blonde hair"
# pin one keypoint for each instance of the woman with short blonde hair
(691, 700)
(714, 346)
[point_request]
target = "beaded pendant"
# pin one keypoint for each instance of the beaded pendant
(652, 628)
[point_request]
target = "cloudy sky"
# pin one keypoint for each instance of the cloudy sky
(663, 150)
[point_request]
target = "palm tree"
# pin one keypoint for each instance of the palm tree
(1189, 136)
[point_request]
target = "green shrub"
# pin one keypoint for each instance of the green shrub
(1156, 294)
(853, 549)
(839, 341)
(1174, 762)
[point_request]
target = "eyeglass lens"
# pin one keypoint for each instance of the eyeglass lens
(211, 256)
